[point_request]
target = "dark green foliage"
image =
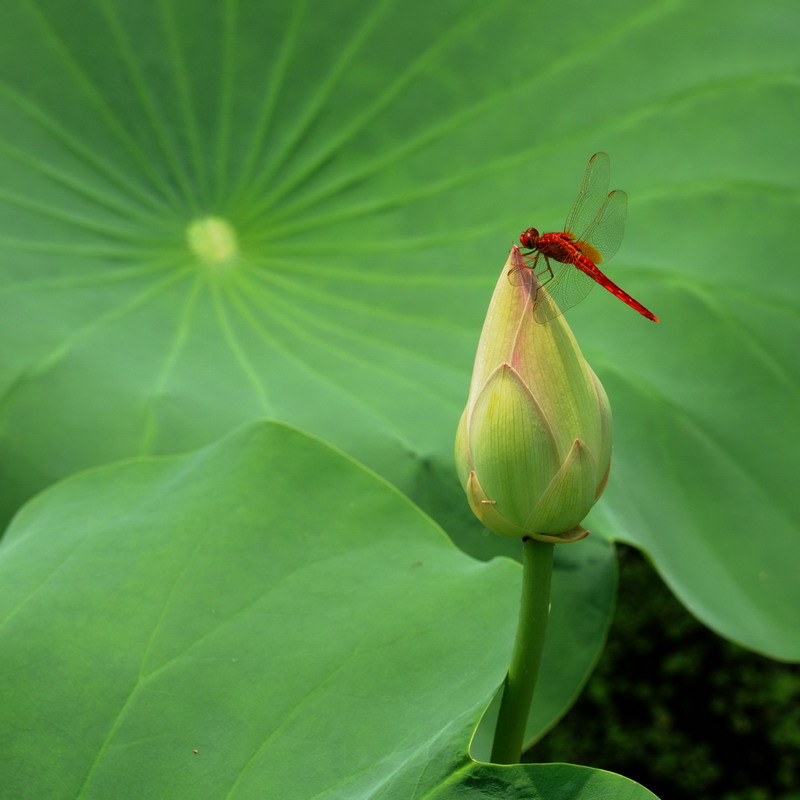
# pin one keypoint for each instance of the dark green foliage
(679, 709)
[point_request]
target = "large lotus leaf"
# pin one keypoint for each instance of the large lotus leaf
(371, 164)
(264, 618)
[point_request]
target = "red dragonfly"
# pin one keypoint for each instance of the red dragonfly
(592, 234)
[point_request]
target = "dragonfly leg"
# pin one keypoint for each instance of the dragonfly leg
(530, 264)
(547, 269)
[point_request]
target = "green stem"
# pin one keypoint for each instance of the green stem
(537, 569)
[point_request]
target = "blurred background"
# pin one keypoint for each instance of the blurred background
(685, 713)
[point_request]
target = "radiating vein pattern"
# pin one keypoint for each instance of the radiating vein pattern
(195, 217)
(214, 210)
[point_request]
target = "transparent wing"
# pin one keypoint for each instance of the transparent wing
(566, 288)
(554, 286)
(592, 194)
(522, 276)
(604, 234)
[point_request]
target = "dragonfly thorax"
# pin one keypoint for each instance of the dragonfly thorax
(559, 246)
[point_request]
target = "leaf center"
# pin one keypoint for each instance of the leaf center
(213, 241)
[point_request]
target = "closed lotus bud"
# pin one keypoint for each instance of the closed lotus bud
(533, 447)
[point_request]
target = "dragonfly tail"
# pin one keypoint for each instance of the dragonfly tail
(612, 287)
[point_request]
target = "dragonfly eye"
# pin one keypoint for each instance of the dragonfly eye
(526, 237)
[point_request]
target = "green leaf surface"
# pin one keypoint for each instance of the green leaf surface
(373, 163)
(264, 618)
(540, 782)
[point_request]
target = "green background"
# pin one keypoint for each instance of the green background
(375, 161)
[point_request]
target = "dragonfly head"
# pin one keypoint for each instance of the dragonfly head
(527, 238)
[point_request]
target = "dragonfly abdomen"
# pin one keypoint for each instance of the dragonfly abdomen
(592, 271)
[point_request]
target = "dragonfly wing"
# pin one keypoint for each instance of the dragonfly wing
(523, 275)
(592, 194)
(566, 288)
(604, 233)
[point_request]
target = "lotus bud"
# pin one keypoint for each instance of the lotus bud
(533, 447)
